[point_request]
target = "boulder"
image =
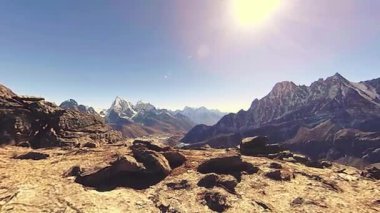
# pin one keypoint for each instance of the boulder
(253, 142)
(280, 175)
(74, 171)
(226, 182)
(297, 201)
(183, 184)
(175, 158)
(275, 165)
(230, 164)
(372, 172)
(300, 158)
(150, 145)
(257, 146)
(153, 161)
(216, 201)
(226, 165)
(280, 155)
(318, 164)
(101, 175)
(89, 145)
(32, 156)
(126, 163)
(24, 144)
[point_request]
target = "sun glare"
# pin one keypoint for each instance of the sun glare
(250, 13)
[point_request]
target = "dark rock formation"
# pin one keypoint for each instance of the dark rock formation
(74, 171)
(372, 172)
(216, 201)
(183, 184)
(224, 181)
(280, 175)
(258, 145)
(149, 165)
(32, 156)
(43, 124)
(230, 164)
(275, 165)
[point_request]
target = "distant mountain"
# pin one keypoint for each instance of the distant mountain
(202, 115)
(73, 105)
(332, 118)
(144, 118)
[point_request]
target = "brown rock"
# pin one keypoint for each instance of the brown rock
(90, 145)
(373, 173)
(232, 164)
(228, 183)
(301, 158)
(280, 175)
(175, 158)
(275, 165)
(32, 156)
(73, 172)
(43, 124)
(150, 145)
(154, 162)
(258, 146)
(216, 201)
(298, 201)
(318, 164)
(183, 184)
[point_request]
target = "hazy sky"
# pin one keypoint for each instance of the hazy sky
(176, 53)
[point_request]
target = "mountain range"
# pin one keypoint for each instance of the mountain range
(332, 118)
(202, 115)
(140, 119)
(144, 118)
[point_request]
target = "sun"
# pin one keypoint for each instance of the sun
(249, 13)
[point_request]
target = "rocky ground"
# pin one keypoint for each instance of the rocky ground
(230, 183)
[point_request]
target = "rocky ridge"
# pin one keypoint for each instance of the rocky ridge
(32, 121)
(332, 118)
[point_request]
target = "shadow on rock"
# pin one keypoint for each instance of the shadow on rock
(149, 165)
(232, 165)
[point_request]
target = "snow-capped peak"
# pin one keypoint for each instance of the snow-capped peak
(141, 106)
(122, 107)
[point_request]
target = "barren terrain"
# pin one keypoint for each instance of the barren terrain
(39, 186)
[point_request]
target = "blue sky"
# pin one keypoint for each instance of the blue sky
(178, 53)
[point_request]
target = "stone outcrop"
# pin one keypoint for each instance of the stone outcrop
(280, 175)
(148, 165)
(216, 201)
(229, 164)
(34, 121)
(371, 172)
(32, 156)
(256, 146)
(224, 181)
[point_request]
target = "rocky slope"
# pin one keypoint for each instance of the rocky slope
(145, 119)
(332, 118)
(148, 177)
(31, 121)
(202, 115)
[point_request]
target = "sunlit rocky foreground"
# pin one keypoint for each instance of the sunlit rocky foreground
(229, 183)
